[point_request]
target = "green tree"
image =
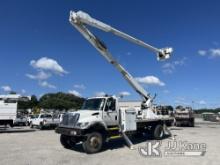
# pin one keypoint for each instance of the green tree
(60, 101)
(12, 92)
(33, 102)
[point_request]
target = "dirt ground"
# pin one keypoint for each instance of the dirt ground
(43, 147)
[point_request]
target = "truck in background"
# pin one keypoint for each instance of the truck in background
(210, 116)
(184, 116)
(8, 109)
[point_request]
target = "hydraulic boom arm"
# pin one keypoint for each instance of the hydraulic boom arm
(80, 19)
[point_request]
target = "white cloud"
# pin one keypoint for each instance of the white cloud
(211, 53)
(47, 85)
(171, 66)
(215, 52)
(99, 94)
(49, 64)
(74, 92)
(41, 75)
(45, 68)
(202, 102)
(202, 52)
(150, 80)
(6, 88)
(124, 93)
(79, 86)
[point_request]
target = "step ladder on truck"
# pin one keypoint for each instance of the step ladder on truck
(100, 118)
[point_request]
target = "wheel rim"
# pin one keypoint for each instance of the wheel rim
(95, 142)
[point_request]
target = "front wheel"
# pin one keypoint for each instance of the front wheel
(67, 141)
(93, 143)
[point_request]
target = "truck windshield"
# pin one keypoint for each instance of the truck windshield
(93, 104)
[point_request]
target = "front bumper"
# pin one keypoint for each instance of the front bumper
(70, 131)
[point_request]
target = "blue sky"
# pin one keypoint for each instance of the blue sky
(41, 52)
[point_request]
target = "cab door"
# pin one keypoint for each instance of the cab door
(110, 113)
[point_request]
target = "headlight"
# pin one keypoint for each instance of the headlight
(82, 125)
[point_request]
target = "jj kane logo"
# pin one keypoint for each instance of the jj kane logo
(172, 148)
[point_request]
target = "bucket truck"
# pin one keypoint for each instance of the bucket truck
(101, 118)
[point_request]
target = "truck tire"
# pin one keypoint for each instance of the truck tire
(177, 124)
(158, 132)
(93, 143)
(66, 141)
(11, 125)
(191, 123)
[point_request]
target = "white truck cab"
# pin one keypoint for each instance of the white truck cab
(97, 109)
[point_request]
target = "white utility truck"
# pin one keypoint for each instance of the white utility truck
(44, 120)
(101, 118)
(8, 109)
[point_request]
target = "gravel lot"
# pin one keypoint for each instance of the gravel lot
(43, 147)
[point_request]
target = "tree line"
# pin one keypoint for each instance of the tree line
(57, 101)
(65, 101)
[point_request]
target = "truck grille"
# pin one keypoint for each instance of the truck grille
(70, 119)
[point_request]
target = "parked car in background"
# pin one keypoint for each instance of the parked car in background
(30, 118)
(45, 120)
(21, 121)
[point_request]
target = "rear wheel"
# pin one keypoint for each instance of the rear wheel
(93, 143)
(177, 124)
(67, 141)
(191, 123)
(158, 132)
(11, 125)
